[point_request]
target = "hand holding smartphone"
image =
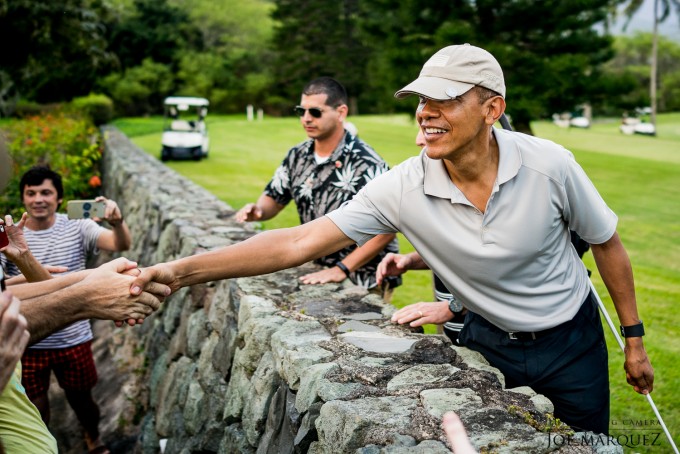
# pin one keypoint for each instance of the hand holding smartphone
(85, 209)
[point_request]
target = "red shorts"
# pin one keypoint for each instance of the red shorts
(73, 366)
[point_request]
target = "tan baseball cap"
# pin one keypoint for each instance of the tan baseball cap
(5, 164)
(454, 70)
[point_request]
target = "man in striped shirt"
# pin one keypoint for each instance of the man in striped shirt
(56, 240)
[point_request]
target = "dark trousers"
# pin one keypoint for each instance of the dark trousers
(568, 364)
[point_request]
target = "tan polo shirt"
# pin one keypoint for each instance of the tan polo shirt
(514, 264)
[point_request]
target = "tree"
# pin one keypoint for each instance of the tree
(152, 29)
(550, 51)
(316, 38)
(662, 9)
(632, 59)
(52, 50)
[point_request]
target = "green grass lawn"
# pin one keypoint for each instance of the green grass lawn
(638, 176)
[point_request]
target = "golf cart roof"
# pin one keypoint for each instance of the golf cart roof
(185, 101)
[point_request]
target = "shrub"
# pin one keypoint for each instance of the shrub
(69, 145)
(99, 108)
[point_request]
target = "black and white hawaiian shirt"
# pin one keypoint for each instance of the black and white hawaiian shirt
(318, 189)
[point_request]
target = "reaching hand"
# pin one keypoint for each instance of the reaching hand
(250, 212)
(392, 265)
(13, 336)
(333, 274)
(17, 242)
(456, 434)
(111, 282)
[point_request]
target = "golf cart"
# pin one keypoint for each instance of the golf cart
(185, 135)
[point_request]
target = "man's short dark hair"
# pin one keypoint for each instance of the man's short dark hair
(336, 93)
(484, 94)
(35, 177)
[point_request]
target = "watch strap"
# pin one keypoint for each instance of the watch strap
(633, 330)
(342, 266)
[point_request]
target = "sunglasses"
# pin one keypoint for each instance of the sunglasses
(313, 111)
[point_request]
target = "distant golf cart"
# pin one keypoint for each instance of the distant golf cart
(638, 124)
(185, 135)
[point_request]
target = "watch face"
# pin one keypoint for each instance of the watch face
(455, 305)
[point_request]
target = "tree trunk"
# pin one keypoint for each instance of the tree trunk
(523, 126)
(652, 79)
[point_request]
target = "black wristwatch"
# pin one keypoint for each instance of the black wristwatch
(633, 330)
(455, 306)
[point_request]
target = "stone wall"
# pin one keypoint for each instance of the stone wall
(266, 365)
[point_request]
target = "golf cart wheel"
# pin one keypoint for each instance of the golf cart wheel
(165, 154)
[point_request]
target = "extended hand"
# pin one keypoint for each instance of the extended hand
(17, 242)
(13, 336)
(333, 274)
(456, 434)
(639, 371)
(250, 212)
(111, 283)
(392, 265)
(418, 314)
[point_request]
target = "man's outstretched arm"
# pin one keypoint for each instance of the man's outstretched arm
(266, 252)
(102, 293)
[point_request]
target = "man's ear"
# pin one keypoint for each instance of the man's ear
(343, 110)
(495, 107)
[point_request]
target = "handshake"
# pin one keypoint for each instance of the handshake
(101, 293)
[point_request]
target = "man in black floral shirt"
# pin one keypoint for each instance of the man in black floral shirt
(322, 173)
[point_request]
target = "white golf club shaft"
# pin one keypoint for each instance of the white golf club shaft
(618, 339)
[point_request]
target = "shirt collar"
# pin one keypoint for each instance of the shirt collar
(437, 182)
(339, 150)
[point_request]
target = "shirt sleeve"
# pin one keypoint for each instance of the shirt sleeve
(90, 232)
(279, 186)
(586, 211)
(374, 210)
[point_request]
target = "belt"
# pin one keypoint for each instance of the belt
(533, 335)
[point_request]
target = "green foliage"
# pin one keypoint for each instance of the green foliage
(316, 38)
(154, 30)
(52, 51)
(140, 89)
(633, 57)
(69, 145)
(551, 424)
(98, 108)
(550, 51)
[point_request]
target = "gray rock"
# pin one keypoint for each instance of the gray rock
(353, 326)
(365, 316)
(476, 360)
(347, 426)
(422, 374)
(438, 401)
(309, 383)
(378, 342)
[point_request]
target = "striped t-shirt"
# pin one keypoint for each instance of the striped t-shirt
(66, 243)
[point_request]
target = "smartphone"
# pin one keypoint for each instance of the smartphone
(85, 209)
(4, 239)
